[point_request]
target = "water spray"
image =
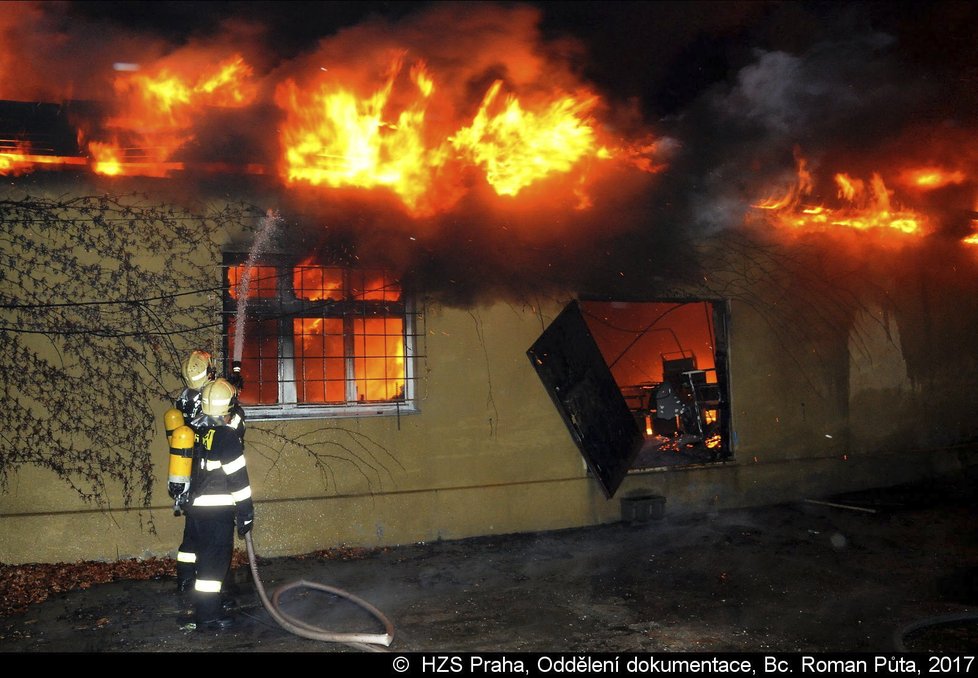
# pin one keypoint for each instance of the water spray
(266, 230)
(359, 641)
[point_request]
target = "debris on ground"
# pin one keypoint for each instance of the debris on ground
(25, 585)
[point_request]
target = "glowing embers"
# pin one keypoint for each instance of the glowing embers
(157, 111)
(863, 206)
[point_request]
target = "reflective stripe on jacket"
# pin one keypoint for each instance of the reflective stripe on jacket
(220, 474)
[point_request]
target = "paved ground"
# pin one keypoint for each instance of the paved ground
(801, 577)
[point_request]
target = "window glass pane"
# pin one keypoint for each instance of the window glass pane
(259, 361)
(315, 283)
(374, 286)
(378, 350)
(263, 281)
(319, 365)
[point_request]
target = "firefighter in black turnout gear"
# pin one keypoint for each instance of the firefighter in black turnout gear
(220, 497)
(197, 370)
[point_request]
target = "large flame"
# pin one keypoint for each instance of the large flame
(516, 147)
(158, 109)
(336, 136)
(494, 118)
(326, 348)
(321, 343)
(862, 206)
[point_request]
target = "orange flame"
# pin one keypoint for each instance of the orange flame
(973, 238)
(14, 157)
(379, 358)
(517, 147)
(377, 342)
(316, 283)
(332, 136)
(18, 157)
(866, 206)
(159, 109)
(335, 136)
(263, 282)
(400, 133)
(929, 178)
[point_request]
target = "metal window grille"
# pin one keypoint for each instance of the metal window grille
(323, 340)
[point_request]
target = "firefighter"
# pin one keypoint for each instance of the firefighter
(197, 370)
(220, 496)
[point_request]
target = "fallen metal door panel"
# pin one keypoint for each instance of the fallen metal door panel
(570, 365)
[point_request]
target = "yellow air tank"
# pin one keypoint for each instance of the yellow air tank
(181, 454)
(172, 419)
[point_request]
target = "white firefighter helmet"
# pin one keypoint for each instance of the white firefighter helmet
(197, 369)
(216, 397)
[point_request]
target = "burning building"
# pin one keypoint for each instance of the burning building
(471, 292)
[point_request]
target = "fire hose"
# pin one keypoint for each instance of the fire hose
(359, 641)
(901, 633)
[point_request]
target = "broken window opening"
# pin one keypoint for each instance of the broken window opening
(673, 351)
(669, 361)
(322, 341)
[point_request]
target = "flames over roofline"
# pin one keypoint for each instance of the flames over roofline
(401, 135)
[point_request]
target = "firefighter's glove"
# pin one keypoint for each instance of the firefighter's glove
(237, 421)
(246, 521)
(176, 489)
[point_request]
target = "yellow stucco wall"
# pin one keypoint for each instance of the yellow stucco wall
(487, 452)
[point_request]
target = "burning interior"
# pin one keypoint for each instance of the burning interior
(323, 340)
(639, 385)
(668, 359)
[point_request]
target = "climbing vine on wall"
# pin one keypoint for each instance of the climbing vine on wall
(100, 299)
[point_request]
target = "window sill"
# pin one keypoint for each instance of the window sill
(290, 412)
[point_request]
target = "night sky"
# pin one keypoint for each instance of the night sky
(663, 54)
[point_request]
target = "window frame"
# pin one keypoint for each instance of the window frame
(285, 306)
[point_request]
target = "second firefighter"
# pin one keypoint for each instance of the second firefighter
(220, 497)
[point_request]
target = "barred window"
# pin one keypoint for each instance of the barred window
(321, 340)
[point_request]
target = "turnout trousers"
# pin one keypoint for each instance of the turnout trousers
(211, 534)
